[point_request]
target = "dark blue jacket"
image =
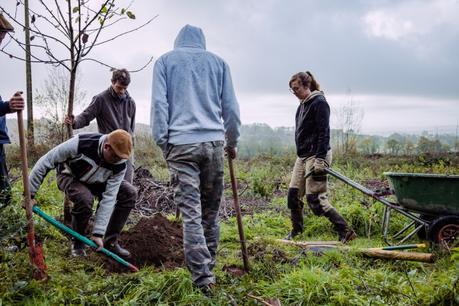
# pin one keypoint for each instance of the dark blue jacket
(4, 109)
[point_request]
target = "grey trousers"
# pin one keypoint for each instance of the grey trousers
(197, 176)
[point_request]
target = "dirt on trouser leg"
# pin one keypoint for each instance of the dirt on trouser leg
(153, 241)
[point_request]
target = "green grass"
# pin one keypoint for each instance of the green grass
(278, 271)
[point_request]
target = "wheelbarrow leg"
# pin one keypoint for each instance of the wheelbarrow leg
(385, 223)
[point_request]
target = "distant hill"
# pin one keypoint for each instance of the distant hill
(261, 138)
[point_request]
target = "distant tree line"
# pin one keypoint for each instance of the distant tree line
(260, 138)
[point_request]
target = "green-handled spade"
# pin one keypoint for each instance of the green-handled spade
(83, 239)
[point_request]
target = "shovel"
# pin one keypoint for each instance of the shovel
(83, 239)
(35, 248)
(238, 215)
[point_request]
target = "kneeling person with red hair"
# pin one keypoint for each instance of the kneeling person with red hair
(92, 165)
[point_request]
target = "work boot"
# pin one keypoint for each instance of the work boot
(347, 236)
(114, 246)
(78, 249)
(208, 290)
(296, 215)
(339, 224)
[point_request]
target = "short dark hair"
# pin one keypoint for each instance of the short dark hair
(121, 76)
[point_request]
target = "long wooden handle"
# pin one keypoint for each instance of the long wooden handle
(238, 214)
(25, 174)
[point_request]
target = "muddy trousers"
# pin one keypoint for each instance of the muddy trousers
(83, 195)
(315, 188)
(296, 209)
(197, 176)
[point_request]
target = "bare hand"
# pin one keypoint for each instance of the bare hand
(99, 241)
(231, 152)
(16, 102)
(69, 120)
(33, 202)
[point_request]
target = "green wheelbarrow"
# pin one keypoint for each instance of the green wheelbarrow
(429, 201)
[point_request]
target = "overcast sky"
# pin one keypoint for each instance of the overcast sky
(397, 60)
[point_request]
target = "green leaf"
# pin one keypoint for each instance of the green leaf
(76, 9)
(123, 10)
(130, 14)
(104, 9)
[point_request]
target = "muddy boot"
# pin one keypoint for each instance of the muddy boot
(78, 248)
(296, 213)
(348, 236)
(340, 225)
(113, 246)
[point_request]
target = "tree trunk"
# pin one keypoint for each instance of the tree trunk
(30, 127)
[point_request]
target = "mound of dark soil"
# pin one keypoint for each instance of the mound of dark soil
(153, 241)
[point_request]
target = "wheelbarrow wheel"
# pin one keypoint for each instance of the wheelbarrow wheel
(444, 231)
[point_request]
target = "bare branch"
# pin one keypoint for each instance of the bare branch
(54, 17)
(125, 33)
(97, 61)
(111, 67)
(144, 66)
(62, 16)
(33, 31)
(106, 26)
(33, 61)
(88, 49)
(38, 15)
(98, 14)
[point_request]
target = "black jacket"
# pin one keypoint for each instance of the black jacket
(312, 127)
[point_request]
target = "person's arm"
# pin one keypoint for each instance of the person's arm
(159, 116)
(107, 204)
(4, 108)
(91, 112)
(133, 118)
(322, 118)
(59, 154)
(16, 103)
(230, 110)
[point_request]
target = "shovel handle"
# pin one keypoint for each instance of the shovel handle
(83, 239)
(237, 208)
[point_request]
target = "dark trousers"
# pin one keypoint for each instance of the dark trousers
(82, 196)
(5, 189)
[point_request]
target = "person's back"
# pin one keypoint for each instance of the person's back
(199, 93)
(194, 110)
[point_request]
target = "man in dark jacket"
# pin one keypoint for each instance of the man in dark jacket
(92, 165)
(312, 138)
(113, 109)
(16, 103)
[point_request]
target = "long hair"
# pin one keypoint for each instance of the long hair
(306, 79)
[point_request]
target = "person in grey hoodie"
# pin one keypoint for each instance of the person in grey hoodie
(193, 111)
(92, 165)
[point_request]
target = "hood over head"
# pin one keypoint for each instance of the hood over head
(190, 37)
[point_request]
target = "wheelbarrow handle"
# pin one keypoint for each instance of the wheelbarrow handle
(83, 239)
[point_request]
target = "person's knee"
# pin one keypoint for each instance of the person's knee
(81, 198)
(127, 195)
(314, 204)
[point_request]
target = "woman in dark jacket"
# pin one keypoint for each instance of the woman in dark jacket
(312, 138)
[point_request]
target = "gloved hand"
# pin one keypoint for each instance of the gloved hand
(319, 165)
